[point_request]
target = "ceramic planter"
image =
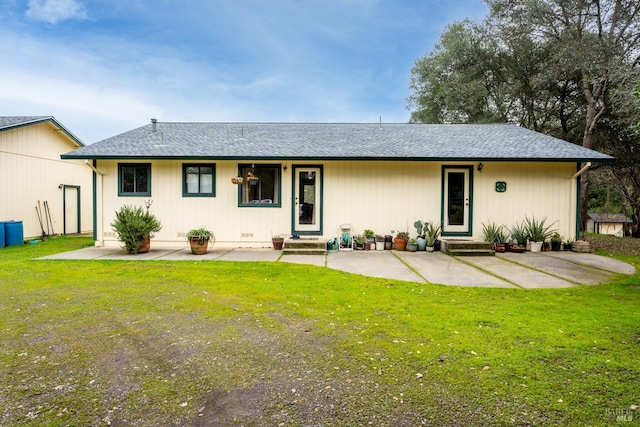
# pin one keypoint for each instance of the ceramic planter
(277, 244)
(535, 246)
(401, 244)
(412, 247)
(145, 246)
(199, 246)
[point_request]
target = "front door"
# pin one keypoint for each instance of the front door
(457, 200)
(307, 191)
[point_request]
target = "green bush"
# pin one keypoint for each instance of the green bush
(133, 224)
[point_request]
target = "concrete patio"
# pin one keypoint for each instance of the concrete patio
(505, 270)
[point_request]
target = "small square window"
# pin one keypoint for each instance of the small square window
(198, 180)
(260, 186)
(134, 179)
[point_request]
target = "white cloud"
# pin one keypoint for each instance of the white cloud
(54, 11)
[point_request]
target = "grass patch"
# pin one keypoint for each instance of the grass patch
(225, 343)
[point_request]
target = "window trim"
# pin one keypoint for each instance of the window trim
(184, 179)
(134, 194)
(278, 168)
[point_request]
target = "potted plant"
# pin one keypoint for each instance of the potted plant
(253, 180)
(412, 246)
(519, 233)
(431, 233)
(277, 240)
(537, 233)
(567, 245)
(360, 241)
(556, 242)
(199, 240)
(401, 240)
(135, 227)
(420, 240)
(380, 242)
(370, 236)
(495, 234)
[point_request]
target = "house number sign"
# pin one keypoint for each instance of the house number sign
(501, 186)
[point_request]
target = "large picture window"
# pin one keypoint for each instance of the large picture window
(198, 180)
(134, 179)
(260, 186)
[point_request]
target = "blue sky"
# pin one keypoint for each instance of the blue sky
(102, 67)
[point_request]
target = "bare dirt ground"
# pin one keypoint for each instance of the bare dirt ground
(615, 245)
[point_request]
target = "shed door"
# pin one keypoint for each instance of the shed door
(71, 206)
(457, 201)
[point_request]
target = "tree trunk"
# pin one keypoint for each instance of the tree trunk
(592, 94)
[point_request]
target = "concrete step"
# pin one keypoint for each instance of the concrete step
(305, 246)
(467, 248)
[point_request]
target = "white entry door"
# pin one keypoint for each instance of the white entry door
(457, 201)
(307, 210)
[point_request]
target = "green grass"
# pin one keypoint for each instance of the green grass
(223, 343)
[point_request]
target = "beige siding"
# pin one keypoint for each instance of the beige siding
(382, 196)
(31, 170)
(612, 228)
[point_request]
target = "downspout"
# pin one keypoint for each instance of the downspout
(95, 208)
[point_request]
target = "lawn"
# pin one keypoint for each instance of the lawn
(254, 344)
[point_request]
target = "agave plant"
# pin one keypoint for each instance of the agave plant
(432, 232)
(537, 231)
(519, 233)
(494, 233)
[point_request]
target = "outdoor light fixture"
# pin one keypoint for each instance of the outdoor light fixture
(480, 166)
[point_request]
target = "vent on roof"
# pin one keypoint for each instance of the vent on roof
(154, 125)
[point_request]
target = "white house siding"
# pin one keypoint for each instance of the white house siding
(31, 170)
(534, 190)
(378, 195)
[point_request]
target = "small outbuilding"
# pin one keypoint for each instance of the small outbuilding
(31, 171)
(608, 223)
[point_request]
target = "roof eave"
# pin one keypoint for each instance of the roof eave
(45, 120)
(338, 158)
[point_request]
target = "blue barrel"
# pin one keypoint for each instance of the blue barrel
(13, 233)
(2, 238)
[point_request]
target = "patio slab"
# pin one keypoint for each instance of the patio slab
(437, 267)
(507, 270)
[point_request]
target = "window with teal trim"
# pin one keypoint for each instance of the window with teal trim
(199, 180)
(260, 185)
(134, 179)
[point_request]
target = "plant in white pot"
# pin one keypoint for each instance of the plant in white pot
(537, 232)
(431, 233)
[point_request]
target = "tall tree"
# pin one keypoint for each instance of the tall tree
(555, 66)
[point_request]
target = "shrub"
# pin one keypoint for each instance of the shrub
(133, 225)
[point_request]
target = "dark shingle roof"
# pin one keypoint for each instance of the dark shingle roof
(11, 122)
(609, 217)
(326, 141)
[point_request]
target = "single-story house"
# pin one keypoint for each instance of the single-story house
(607, 223)
(31, 170)
(313, 178)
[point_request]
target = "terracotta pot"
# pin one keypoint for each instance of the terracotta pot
(199, 246)
(401, 244)
(145, 246)
(277, 244)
